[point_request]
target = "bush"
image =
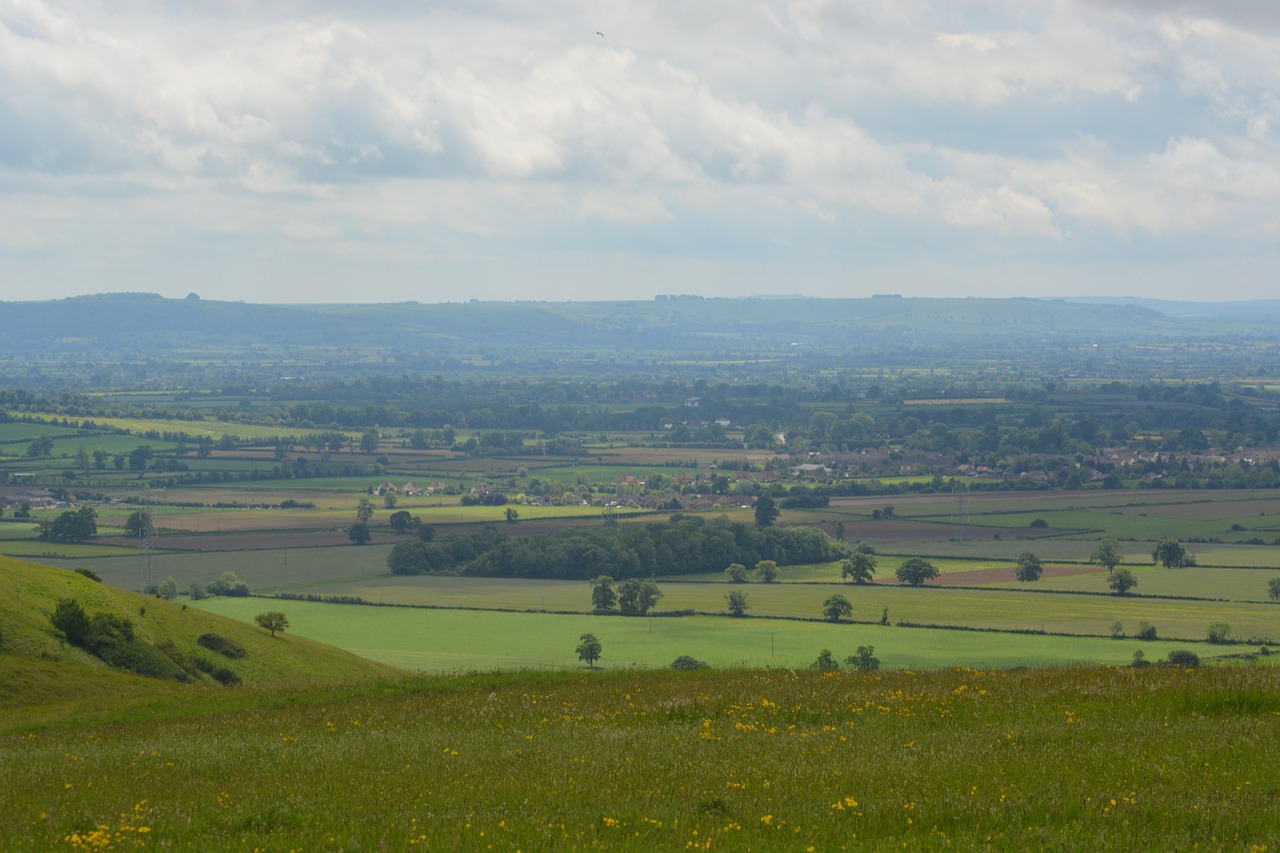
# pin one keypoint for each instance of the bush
(1219, 632)
(224, 676)
(1039, 524)
(228, 585)
(1183, 657)
(825, 662)
(687, 663)
(69, 618)
(1140, 659)
(224, 646)
(89, 573)
(864, 659)
(1146, 631)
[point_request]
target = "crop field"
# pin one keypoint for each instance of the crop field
(430, 640)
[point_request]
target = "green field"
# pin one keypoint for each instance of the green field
(430, 640)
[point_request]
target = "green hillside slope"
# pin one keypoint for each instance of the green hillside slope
(38, 666)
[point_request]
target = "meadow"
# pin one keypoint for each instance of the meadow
(1080, 758)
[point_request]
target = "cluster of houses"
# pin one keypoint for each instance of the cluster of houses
(409, 488)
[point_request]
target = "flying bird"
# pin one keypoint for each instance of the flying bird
(600, 34)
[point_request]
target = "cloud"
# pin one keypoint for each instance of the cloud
(415, 131)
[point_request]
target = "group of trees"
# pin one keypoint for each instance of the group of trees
(635, 597)
(681, 545)
(75, 525)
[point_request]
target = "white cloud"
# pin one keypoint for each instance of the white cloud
(413, 132)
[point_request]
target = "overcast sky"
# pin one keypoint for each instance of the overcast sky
(394, 150)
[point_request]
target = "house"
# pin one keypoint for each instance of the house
(385, 488)
(411, 488)
(693, 402)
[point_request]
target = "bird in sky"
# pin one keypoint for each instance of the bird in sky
(600, 34)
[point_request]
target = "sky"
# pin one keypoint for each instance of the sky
(409, 150)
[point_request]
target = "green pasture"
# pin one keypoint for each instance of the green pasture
(461, 641)
(40, 551)
(1235, 584)
(1021, 608)
(1118, 525)
(19, 431)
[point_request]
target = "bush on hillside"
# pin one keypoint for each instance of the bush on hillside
(224, 646)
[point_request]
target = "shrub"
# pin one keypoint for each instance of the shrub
(1183, 657)
(224, 676)
(228, 585)
(89, 573)
(1117, 630)
(1140, 659)
(69, 618)
(1039, 523)
(687, 663)
(825, 662)
(224, 646)
(1219, 632)
(1146, 631)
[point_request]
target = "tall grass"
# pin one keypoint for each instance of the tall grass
(1081, 759)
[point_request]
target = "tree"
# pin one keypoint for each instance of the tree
(1170, 554)
(1273, 589)
(836, 606)
(737, 573)
(1121, 581)
(139, 524)
(766, 511)
(1028, 568)
(389, 500)
(589, 649)
(359, 534)
(768, 570)
(272, 620)
(511, 515)
(41, 448)
(737, 601)
(168, 589)
(864, 659)
(637, 596)
(1108, 553)
(230, 585)
(369, 441)
(859, 568)
(603, 596)
(916, 571)
(1219, 632)
(401, 521)
(364, 511)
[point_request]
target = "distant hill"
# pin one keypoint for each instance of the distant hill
(127, 321)
(38, 666)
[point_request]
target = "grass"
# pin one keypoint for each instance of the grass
(1075, 759)
(433, 640)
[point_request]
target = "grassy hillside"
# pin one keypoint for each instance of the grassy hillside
(38, 667)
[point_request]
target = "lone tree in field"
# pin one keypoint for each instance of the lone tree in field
(589, 649)
(401, 521)
(364, 511)
(1121, 581)
(836, 606)
(859, 568)
(1273, 589)
(359, 533)
(766, 511)
(865, 659)
(603, 596)
(916, 571)
(768, 570)
(1108, 553)
(1170, 554)
(736, 573)
(138, 525)
(737, 601)
(272, 620)
(1028, 568)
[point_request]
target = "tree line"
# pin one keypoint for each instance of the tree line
(681, 545)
